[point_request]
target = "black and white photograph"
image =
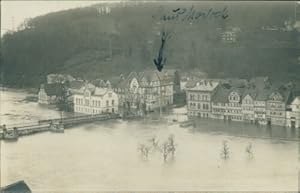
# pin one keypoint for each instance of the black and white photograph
(149, 96)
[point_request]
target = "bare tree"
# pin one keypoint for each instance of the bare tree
(249, 150)
(171, 144)
(144, 150)
(225, 150)
(168, 147)
(154, 143)
(165, 151)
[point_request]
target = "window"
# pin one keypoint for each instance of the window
(107, 103)
(113, 102)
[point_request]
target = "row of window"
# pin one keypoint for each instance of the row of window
(276, 113)
(199, 97)
(234, 98)
(204, 115)
(94, 103)
(247, 101)
(204, 106)
(275, 105)
(92, 111)
(248, 108)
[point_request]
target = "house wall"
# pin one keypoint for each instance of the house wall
(248, 108)
(260, 112)
(96, 104)
(43, 97)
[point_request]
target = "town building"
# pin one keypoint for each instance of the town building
(50, 93)
(199, 96)
(95, 100)
(248, 99)
(148, 90)
(234, 106)
(219, 102)
(276, 106)
(260, 106)
(293, 114)
(254, 101)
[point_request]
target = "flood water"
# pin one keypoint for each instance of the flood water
(104, 156)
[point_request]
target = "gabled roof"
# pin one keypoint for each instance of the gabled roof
(100, 91)
(284, 92)
(115, 81)
(221, 95)
(251, 92)
(263, 94)
(17, 187)
(296, 100)
(202, 85)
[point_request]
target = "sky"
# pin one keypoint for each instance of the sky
(13, 13)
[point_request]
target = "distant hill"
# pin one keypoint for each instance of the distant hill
(91, 44)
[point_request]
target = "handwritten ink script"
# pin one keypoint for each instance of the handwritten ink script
(189, 14)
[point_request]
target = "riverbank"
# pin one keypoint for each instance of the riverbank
(26, 90)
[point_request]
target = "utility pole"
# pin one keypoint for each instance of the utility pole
(160, 110)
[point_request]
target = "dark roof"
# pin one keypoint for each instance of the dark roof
(55, 89)
(260, 82)
(236, 82)
(17, 187)
(191, 83)
(221, 95)
(114, 81)
(76, 84)
(263, 94)
(250, 91)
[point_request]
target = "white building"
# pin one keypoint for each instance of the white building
(293, 115)
(94, 100)
(199, 96)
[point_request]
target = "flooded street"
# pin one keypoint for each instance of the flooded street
(104, 156)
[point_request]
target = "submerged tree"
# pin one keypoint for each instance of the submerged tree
(168, 147)
(144, 150)
(171, 144)
(249, 150)
(154, 143)
(165, 151)
(225, 151)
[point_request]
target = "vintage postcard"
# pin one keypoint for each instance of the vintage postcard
(149, 96)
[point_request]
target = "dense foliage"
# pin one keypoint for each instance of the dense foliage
(89, 44)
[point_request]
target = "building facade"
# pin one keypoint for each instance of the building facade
(219, 103)
(148, 90)
(234, 106)
(94, 100)
(276, 108)
(248, 106)
(293, 114)
(199, 96)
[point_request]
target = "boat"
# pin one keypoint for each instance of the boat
(11, 135)
(57, 128)
(187, 123)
